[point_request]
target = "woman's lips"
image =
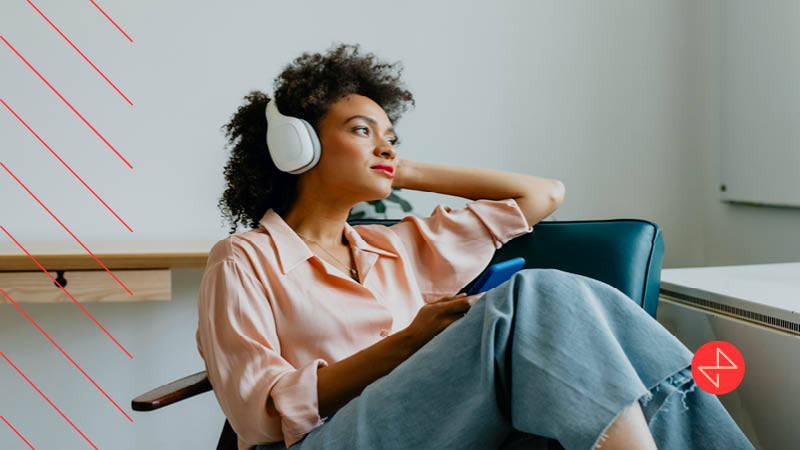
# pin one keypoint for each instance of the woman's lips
(386, 171)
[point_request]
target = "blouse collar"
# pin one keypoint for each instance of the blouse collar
(292, 250)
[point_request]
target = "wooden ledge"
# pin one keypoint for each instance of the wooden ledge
(69, 255)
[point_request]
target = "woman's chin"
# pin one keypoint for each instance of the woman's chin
(381, 195)
(383, 190)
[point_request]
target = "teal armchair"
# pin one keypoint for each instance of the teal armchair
(624, 253)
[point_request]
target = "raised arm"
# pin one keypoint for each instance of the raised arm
(537, 197)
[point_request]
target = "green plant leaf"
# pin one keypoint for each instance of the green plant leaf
(356, 215)
(380, 208)
(380, 205)
(402, 202)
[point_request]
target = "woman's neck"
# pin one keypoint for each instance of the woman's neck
(319, 222)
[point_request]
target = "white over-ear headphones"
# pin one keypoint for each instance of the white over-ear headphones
(293, 143)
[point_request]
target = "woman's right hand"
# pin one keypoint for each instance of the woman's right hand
(435, 316)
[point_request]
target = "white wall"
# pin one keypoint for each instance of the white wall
(617, 99)
(596, 96)
(738, 233)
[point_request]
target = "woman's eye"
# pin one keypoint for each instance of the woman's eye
(391, 141)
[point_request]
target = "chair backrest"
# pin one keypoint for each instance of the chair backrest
(624, 253)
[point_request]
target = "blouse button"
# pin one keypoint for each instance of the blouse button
(384, 333)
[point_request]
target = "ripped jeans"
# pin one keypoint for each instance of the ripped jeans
(547, 356)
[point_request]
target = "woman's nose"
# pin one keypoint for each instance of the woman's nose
(386, 150)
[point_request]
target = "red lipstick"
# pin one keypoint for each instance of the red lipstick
(385, 168)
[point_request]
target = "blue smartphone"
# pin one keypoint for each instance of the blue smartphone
(496, 274)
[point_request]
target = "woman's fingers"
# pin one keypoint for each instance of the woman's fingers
(461, 304)
(447, 299)
(458, 304)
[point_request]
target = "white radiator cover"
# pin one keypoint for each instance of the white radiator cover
(754, 308)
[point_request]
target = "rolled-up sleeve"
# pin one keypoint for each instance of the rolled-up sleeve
(451, 247)
(264, 397)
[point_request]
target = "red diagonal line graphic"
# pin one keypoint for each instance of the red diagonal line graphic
(65, 101)
(65, 227)
(64, 353)
(48, 400)
(80, 52)
(65, 164)
(15, 431)
(112, 21)
(65, 291)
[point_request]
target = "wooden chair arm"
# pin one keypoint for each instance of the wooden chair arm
(173, 392)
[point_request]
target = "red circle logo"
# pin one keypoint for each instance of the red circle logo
(718, 367)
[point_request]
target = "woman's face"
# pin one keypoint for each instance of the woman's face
(356, 135)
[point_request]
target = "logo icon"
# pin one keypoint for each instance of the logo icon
(718, 367)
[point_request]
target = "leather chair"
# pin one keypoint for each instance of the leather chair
(624, 253)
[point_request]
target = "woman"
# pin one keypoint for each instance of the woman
(316, 334)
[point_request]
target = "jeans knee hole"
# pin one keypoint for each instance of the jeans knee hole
(684, 392)
(646, 398)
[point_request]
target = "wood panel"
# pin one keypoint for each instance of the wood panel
(87, 286)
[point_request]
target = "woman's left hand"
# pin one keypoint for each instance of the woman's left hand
(400, 173)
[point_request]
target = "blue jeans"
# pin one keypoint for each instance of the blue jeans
(549, 353)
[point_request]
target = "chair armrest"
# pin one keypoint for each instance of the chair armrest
(173, 392)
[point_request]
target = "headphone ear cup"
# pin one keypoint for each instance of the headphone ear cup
(293, 144)
(316, 148)
(286, 145)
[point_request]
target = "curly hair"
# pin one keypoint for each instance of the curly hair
(306, 88)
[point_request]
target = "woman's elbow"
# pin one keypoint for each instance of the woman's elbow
(539, 205)
(559, 192)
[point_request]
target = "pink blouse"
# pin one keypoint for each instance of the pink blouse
(271, 312)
